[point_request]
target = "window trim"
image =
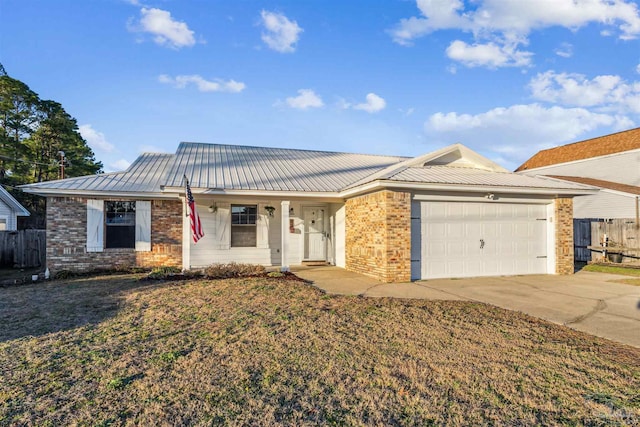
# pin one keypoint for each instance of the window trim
(253, 225)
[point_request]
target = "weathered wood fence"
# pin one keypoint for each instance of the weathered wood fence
(23, 248)
(622, 234)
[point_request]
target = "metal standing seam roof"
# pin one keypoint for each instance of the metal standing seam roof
(146, 174)
(271, 169)
(470, 176)
(232, 167)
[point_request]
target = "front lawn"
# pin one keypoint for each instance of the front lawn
(115, 351)
(624, 271)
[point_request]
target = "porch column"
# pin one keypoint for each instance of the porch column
(284, 237)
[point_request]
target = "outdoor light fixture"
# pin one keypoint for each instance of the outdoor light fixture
(491, 196)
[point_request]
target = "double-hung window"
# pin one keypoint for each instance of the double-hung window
(243, 226)
(120, 224)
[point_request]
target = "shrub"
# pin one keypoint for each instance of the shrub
(233, 269)
(275, 274)
(64, 274)
(163, 272)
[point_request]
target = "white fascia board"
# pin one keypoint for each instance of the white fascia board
(99, 194)
(330, 196)
(379, 185)
(541, 168)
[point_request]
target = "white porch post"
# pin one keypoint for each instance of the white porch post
(186, 236)
(284, 237)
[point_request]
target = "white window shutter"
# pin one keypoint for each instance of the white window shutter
(222, 226)
(262, 227)
(143, 226)
(95, 225)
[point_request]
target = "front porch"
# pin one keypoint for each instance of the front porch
(266, 231)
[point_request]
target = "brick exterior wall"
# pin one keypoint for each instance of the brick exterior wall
(378, 235)
(67, 238)
(564, 235)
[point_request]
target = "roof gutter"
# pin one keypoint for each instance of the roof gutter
(382, 184)
(100, 194)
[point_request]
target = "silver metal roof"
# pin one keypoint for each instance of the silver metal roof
(271, 169)
(233, 167)
(471, 176)
(146, 174)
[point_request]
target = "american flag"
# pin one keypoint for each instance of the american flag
(196, 226)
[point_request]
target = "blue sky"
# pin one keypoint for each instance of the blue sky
(504, 77)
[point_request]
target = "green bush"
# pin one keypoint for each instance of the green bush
(164, 272)
(233, 269)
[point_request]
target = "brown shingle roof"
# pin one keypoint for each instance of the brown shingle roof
(631, 189)
(601, 146)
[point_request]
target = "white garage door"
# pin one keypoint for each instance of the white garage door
(461, 239)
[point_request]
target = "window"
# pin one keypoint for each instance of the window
(243, 226)
(120, 221)
(3, 224)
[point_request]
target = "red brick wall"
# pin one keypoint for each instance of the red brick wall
(67, 238)
(564, 235)
(378, 235)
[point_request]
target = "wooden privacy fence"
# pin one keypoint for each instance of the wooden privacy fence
(23, 248)
(623, 238)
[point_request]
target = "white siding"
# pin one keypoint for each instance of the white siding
(214, 247)
(623, 168)
(7, 213)
(605, 204)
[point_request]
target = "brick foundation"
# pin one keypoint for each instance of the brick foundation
(67, 238)
(564, 235)
(378, 235)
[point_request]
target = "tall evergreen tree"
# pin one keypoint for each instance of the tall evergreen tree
(32, 134)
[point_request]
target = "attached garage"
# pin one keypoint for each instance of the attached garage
(472, 239)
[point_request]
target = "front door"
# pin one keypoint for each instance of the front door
(315, 241)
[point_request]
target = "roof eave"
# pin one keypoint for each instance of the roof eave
(425, 186)
(50, 192)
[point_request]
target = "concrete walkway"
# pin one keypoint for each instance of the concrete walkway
(586, 301)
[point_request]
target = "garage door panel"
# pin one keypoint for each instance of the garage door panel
(452, 234)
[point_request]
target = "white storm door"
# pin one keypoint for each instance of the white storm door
(315, 241)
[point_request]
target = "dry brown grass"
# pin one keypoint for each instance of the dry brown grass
(116, 351)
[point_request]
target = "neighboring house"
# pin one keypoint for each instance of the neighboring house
(10, 210)
(611, 163)
(449, 213)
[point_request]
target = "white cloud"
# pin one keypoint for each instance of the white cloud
(281, 34)
(373, 104)
(119, 165)
(203, 85)
(146, 148)
(638, 68)
(96, 140)
(519, 130)
(508, 23)
(605, 92)
(565, 50)
(306, 98)
(490, 55)
(166, 31)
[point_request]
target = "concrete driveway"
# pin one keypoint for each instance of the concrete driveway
(586, 301)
